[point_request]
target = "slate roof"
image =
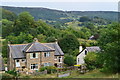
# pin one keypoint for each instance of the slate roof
(19, 50)
(37, 47)
(93, 49)
(2, 68)
(58, 50)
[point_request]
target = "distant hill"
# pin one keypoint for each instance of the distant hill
(62, 16)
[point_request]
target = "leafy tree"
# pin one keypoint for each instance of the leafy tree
(69, 60)
(84, 19)
(91, 60)
(20, 38)
(69, 43)
(7, 27)
(24, 22)
(6, 14)
(41, 38)
(110, 44)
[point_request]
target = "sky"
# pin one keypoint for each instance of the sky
(66, 5)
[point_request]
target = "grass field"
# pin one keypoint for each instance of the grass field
(76, 74)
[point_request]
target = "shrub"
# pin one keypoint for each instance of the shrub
(91, 60)
(6, 75)
(69, 60)
(12, 72)
(50, 69)
(42, 68)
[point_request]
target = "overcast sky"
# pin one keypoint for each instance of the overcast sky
(66, 5)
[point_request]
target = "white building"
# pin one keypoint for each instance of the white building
(84, 52)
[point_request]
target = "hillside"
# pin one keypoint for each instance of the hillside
(57, 15)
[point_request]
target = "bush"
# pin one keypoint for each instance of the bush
(12, 72)
(69, 60)
(6, 75)
(42, 68)
(50, 69)
(91, 60)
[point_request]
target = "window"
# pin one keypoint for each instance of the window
(59, 59)
(23, 60)
(78, 60)
(17, 61)
(34, 66)
(85, 52)
(33, 55)
(46, 54)
(47, 64)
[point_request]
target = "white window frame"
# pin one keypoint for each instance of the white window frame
(17, 63)
(47, 54)
(32, 65)
(31, 55)
(46, 64)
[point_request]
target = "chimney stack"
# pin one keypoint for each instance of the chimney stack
(36, 40)
(56, 41)
(80, 48)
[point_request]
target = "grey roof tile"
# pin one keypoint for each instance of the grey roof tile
(58, 50)
(93, 49)
(19, 50)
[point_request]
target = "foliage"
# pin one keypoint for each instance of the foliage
(84, 19)
(6, 14)
(7, 27)
(24, 22)
(6, 75)
(12, 72)
(109, 42)
(69, 60)
(50, 69)
(91, 60)
(20, 38)
(69, 43)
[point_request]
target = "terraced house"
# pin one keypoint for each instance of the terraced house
(33, 56)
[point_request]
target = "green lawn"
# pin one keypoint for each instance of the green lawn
(75, 74)
(92, 74)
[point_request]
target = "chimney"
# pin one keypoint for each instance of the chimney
(35, 40)
(80, 48)
(56, 41)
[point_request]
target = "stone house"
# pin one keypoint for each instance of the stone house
(33, 56)
(84, 52)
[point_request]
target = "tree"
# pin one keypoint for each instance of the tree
(84, 19)
(24, 22)
(91, 60)
(7, 27)
(69, 60)
(110, 44)
(69, 43)
(6, 14)
(41, 38)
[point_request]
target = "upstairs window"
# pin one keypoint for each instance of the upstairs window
(59, 59)
(85, 52)
(46, 54)
(33, 55)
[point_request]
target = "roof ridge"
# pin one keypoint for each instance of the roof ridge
(18, 44)
(48, 43)
(47, 46)
(30, 47)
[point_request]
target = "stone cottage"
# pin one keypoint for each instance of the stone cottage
(33, 56)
